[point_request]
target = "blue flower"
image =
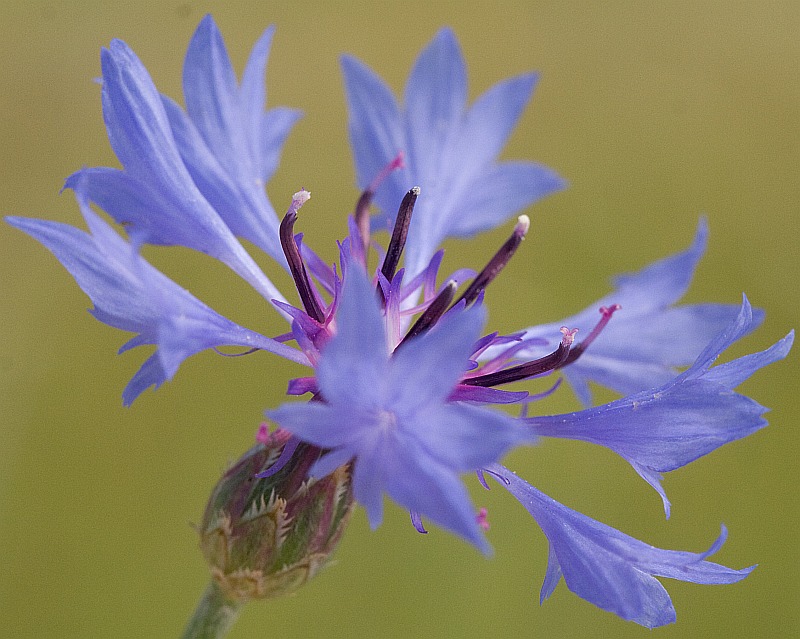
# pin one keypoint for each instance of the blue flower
(403, 381)
(450, 151)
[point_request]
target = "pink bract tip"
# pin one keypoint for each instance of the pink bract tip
(262, 436)
(483, 519)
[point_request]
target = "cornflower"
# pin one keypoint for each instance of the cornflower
(404, 383)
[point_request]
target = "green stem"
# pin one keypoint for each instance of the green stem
(214, 616)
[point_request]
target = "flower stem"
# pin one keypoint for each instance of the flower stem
(214, 616)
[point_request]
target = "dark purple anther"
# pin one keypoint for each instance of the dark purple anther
(433, 313)
(498, 262)
(529, 369)
(361, 216)
(399, 234)
(296, 266)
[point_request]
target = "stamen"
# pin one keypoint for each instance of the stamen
(361, 213)
(399, 162)
(399, 234)
(529, 369)
(296, 265)
(361, 216)
(606, 313)
(498, 262)
(433, 313)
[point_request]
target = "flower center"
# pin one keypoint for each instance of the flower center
(312, 326)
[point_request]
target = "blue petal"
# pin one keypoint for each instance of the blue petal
(731, 374)
(435, 96)
(376, 132)
(111, 286)
(128, 293)
(450, 153)
(648, 338)
(245, 209)
(745, 322)
(498, 194)
(137, 125)
(433, 490)
(252, 98)
(489, 122)
(140, 134)
(150, 374)
(265, 132)
(672, 425)
(368, 487)
(608, 568)
(324, 425)
(155, 216)
(212, 97)
(276, 124)
(464, 437)
(428, 367)
(354, 364)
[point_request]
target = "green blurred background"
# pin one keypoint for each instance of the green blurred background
(655, 113)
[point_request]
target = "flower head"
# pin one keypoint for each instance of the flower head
(389, 411)
(403, 384)
(267, 537)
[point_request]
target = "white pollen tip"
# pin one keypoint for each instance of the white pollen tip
(523, 224)
(300, 198)
(415, 190)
